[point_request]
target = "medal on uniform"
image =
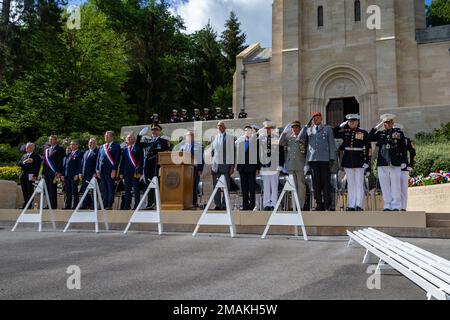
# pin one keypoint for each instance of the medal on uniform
(359, 136)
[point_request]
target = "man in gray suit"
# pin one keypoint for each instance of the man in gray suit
(222, 152)
(321, 153)
(295, 158)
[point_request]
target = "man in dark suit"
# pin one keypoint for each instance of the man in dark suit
(88, 166)
(53, 166)
(248, 167)
(107, 167)
(196, 149)
(131, 171)
(71, 172)
(152, 147)
(30, 164)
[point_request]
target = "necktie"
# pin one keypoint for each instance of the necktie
(224, 144)
(247, 145)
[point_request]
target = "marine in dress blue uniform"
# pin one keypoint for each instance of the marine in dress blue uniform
(391, 160)
(356, 159)
(107, 168)
(411, 158)
(131, 171)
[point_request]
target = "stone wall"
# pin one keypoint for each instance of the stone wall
(430, 199)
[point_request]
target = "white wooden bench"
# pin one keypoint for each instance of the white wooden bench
(427, 270)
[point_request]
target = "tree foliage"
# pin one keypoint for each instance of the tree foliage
(129, 59)
(438, 13)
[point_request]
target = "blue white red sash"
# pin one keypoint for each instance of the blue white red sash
(108, 154)
(48, 162)
(132, 159)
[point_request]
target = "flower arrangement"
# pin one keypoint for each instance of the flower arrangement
(438, 177)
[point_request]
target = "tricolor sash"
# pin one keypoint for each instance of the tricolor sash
(48, 162)
(132, 159)
(108, 154)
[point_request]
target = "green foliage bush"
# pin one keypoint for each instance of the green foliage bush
(9, 173)
(8, 154)
(441, 135)
(431, 158)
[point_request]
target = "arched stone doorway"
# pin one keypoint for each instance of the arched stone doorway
(345, 84)
(338, 108)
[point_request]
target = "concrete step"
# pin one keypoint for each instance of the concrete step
(435, 223)
(439, 216)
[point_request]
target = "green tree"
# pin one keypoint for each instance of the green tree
(157, 52)
(74, 83)
(207, 69)
(438, 13)
(233, 43)
(223, 97)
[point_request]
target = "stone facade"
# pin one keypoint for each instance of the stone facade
(401, 68)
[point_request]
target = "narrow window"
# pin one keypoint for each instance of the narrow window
(357, 11)
(320, 16)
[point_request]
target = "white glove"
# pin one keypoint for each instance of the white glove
(379, 126)
(409, 169)
(403, 166)
(305, 169)
(287, 129)
(343, 124)
(143, 131)
(365, 166)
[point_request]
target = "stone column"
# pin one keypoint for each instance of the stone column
(386, 56)
(291, 72)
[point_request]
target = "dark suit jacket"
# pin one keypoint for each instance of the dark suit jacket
(248, 160)
(89, 164)
(56, 157)
(72, 165)
(29, 168)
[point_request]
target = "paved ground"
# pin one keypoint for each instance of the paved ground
(177, 266)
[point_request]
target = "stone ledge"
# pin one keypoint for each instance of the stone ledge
(312, 219)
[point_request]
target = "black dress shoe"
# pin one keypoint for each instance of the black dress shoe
(318, 209)
(359, 209)
(387, 210)
(267, 208)
(396, 210)
(351, 209)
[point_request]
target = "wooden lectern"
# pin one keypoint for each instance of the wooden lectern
(177, 180)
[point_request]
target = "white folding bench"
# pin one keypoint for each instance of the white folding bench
(427, 270)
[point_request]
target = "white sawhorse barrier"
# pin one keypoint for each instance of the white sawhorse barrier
(217, 219)
(148, 216)
(89, 217)
(289, 218)
(41, 189)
